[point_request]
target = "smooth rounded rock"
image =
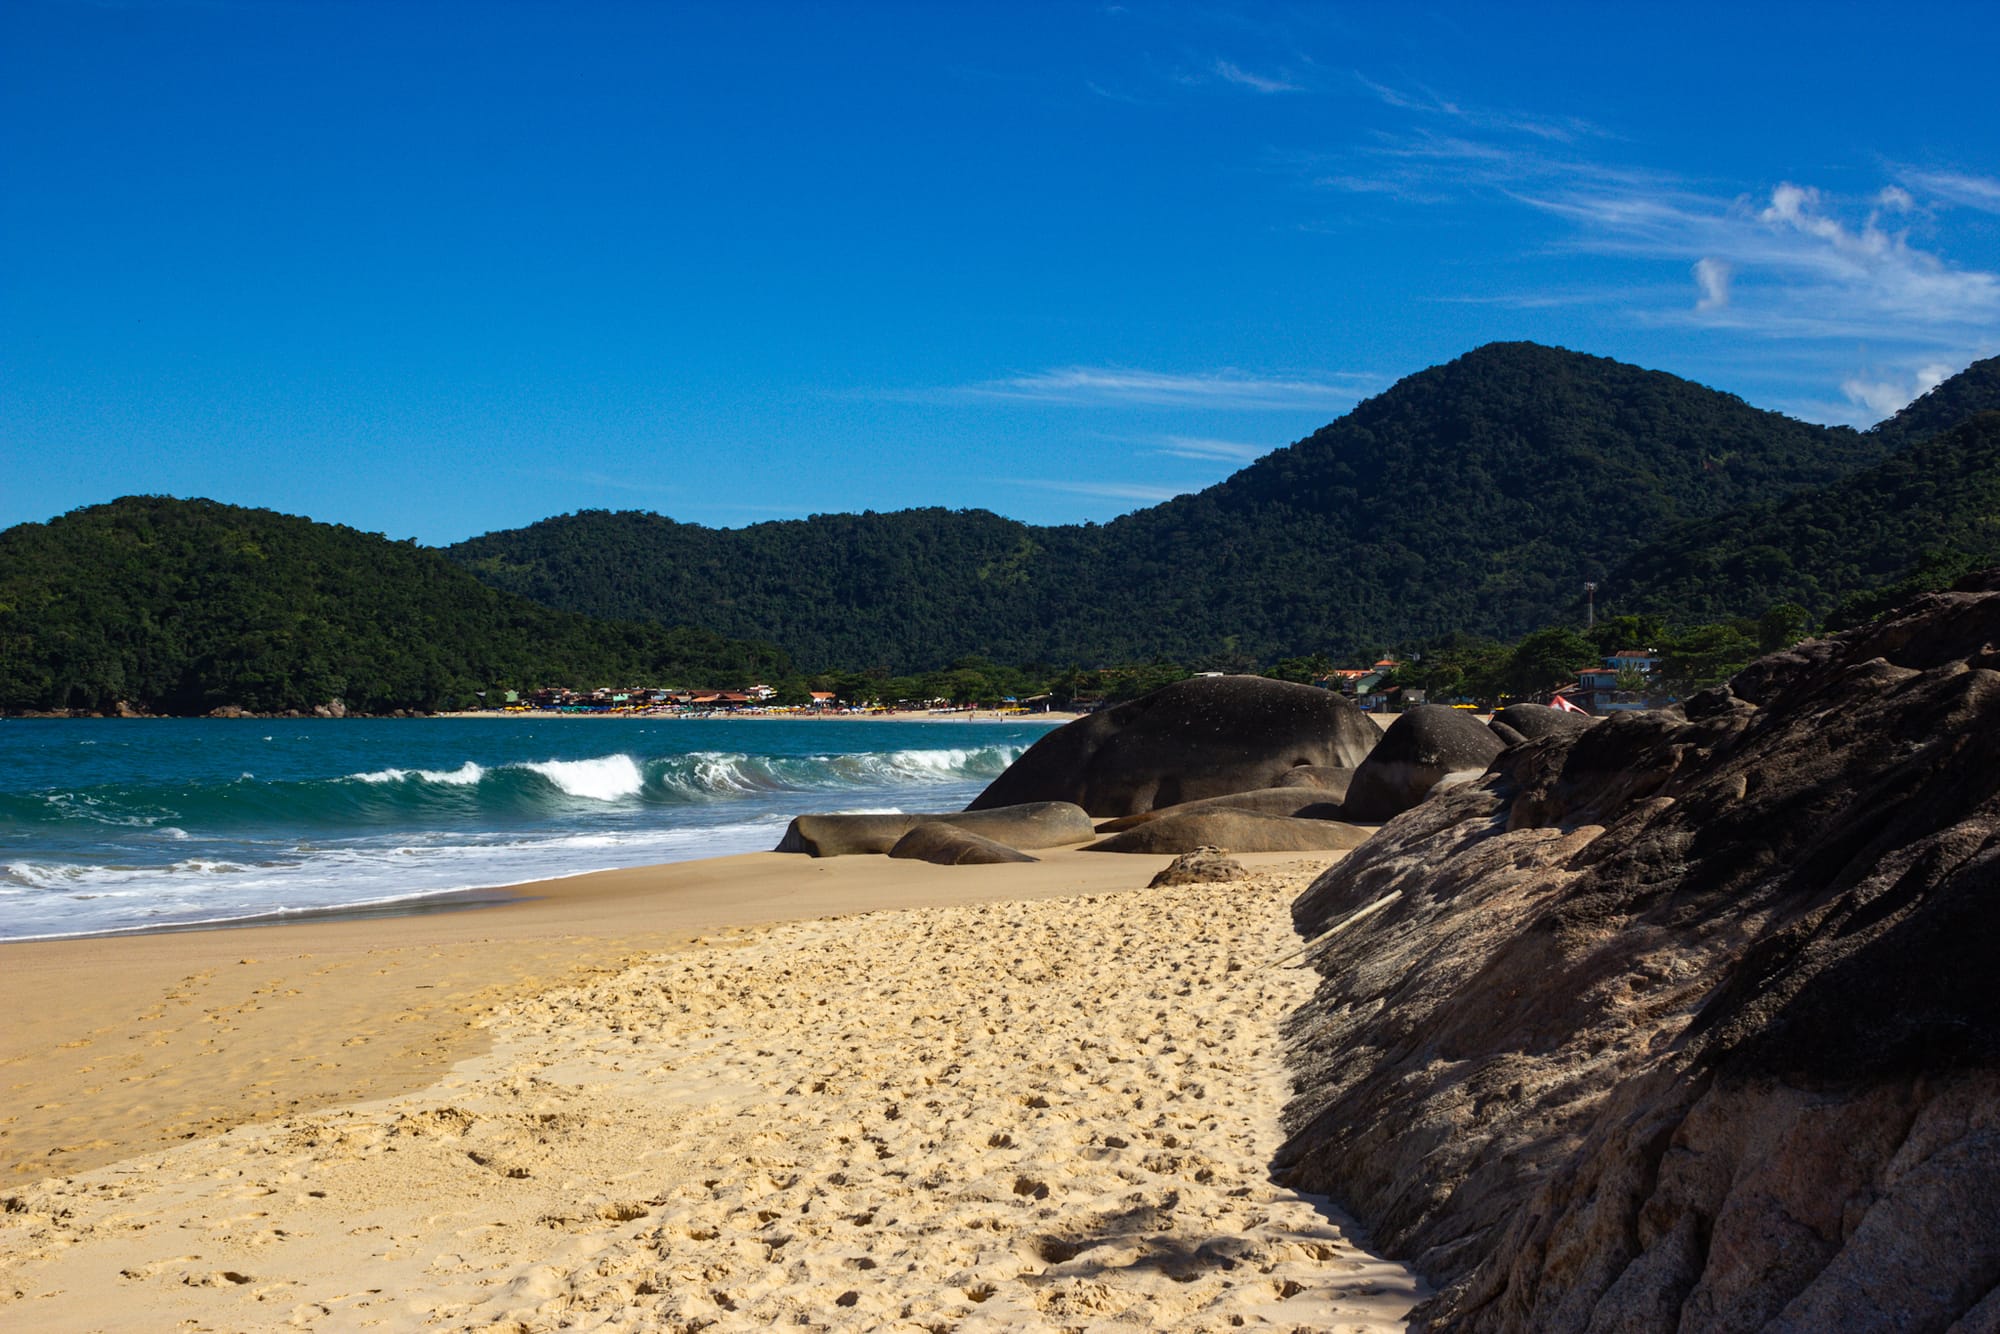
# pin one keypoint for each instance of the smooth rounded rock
(1234, 831)
(1204, 737)
(947, 845)
(1305, 803)
(1039, 824)
(1532, 722)
(1418, 750)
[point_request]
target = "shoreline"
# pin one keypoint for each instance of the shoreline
(626, 715)
(750, 1091)
(126, 1043)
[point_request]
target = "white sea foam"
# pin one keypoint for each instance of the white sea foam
(711, 773)
(66, 899)
(717, 772)
(465, 775)
(606, 778)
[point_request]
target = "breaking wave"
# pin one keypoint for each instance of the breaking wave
(521, 789)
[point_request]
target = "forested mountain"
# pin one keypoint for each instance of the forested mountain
(177, 606)
(1472, 499)
(1475, 496)
(1932, 505)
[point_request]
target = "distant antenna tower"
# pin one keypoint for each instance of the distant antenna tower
(1590, 605)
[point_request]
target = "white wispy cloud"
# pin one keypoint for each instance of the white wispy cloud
(1107, 490)
(1561, 129)
(1785, 262)
(1711, 275)
(1194, 447)
(604, 480)
(1114, 95)
(1980, 192)
(1882, 397)
(1792, 262)
(1230, 72)
(1094, 386)
(1428, 166)
(1788, 261)
(1895, 197)
(1800, 264)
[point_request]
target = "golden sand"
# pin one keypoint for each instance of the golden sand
(1019, 1097)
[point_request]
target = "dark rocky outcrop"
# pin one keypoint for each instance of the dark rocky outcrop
(1039, 824)
(1687, 1022)
(1203, 866)
(1203, 737)
(1306, 803)
(1236, 831)
(1531, 722)
(948, 845)
(1421, 749)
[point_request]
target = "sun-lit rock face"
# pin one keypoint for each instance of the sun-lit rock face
(1687, 1022)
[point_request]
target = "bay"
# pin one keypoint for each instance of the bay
(147, 824)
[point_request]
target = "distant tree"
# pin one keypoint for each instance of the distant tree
(1933, 570)
(1707, 654)
(1546, 659)
(1621, 632)
(1305, 670)
(1138, 680)
(1782, 626)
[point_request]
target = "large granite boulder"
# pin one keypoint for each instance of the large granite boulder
(1235, 831)
(1039, 824)
(1306, 803)
(1198, 738)
(1421, 749)
(1686, 1022)
(947, 845)
(1531, 722)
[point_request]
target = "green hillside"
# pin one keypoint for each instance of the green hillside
(178, 606)
(1477, 496)
(1471, 500)
(1933, 505)
(909, 590)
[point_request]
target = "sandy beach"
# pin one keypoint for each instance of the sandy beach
(850, 1093)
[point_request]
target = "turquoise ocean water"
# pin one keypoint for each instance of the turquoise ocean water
(141, 824)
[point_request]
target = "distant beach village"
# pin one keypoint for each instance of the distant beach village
(752, 701)
(1625, 681)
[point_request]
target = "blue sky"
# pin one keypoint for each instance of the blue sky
(436, 269)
